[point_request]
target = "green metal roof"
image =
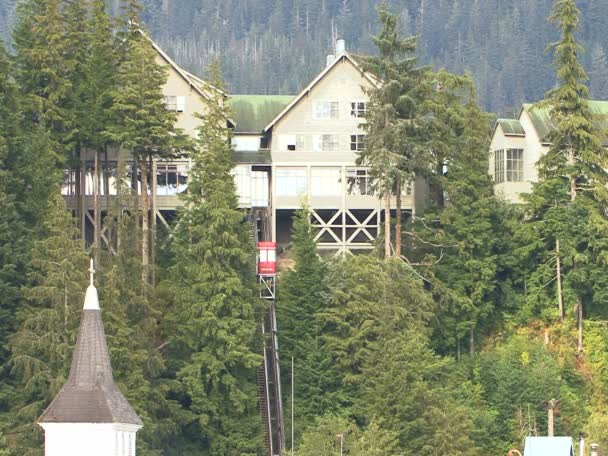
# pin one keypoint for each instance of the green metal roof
(542, 121)
(253, 112)
(511, 127)
(255, 157)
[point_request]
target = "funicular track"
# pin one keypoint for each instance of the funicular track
(269, 376)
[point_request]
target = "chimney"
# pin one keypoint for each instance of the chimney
(330, 59)
(340, 46)
(594, 449)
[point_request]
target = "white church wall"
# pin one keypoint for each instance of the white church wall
(80, 439)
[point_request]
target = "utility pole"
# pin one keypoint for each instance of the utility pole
(341, 437)
(551, 406)
(579, 311)
(560, 301)
(292, 402)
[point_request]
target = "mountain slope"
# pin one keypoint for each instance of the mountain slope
(277, 46)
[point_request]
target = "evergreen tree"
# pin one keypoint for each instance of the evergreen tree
(211, 331)
(405, 384)
(142, 124)
(40, 73)
(13, 232)
(370, 300)
(459, 244)
(303, 293)
(41, 348)
(41, 69)
(565, 210)
(131, 324)
(391, 149)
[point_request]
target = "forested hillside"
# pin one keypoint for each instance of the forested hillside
(277, 46)
(448, 338)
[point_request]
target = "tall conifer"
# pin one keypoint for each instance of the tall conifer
(568, 203)
(303, 293)
(41, 348)
(142, 124)
(212, 326)
(391, 143)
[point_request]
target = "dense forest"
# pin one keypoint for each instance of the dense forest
(449, 338)
(277, 46)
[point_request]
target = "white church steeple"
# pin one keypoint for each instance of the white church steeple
(90, 416)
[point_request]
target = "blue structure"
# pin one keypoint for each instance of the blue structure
(549, 446)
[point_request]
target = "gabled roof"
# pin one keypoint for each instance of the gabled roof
(253, 112)
(179, 70)
(542, 120)
(511, 127)
(345, 56)
(198, 84)
(90, 394)
(548, 446)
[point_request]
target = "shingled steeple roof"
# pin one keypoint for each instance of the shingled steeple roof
(90, 394)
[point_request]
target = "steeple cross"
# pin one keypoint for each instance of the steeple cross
(92, 271)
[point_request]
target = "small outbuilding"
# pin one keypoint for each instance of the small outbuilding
(549, 446)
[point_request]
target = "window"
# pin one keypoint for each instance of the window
(171, 179)
(326, 143)
(242, 182)
(499, 166)
(300, 142)
(325, 182)
(515, 165)
(358, 182)
(325, 109)
(357, 142)
(175, 103)
(358, 109)
(291, 182)
(69, 182)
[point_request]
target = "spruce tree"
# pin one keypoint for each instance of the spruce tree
(567, 205)
(371, 300)
(211, 329)
(141, 123)
(458, 245)
(303, 293)
(41, 70)
(41, 348)
(14, 238)
(391, 149)
(131, 320)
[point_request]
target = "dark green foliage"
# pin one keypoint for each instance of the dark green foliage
(330, 431)
(303, 294)
(371, 300)
(41, 348)
(517, 378)
(41, 70)
(408, 387)
(211, 329)
(131, 325)
(13, 236)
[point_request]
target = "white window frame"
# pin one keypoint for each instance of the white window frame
(357, 142)
(514, 165)
(359, 182)
(176, 103)
(325, 181)
(291, 181)
(322, 109)
(358, 109)
(499, 166)
(326, 143)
